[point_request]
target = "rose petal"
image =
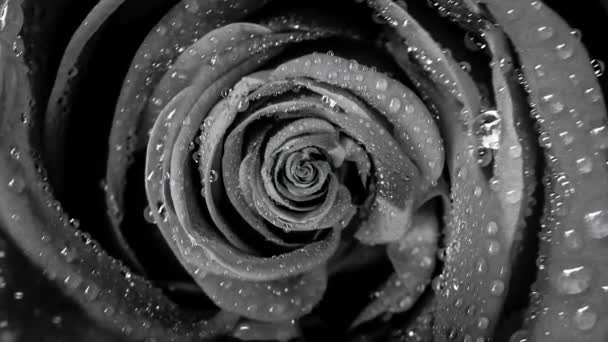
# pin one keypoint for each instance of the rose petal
(40, 228)
(235, 262)
(55, 118)
(566, 88)
(133, 105)
(466, 250)
(413, 258)
(270, 301)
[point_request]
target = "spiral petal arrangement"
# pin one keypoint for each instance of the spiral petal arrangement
(272, 167)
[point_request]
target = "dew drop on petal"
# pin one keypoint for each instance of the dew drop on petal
(597, 224)
(584, 165)
(553, 103)
(598, 67)
(91, 292)
(15, 153)
(498, 287)
(513, 196)
(492, 228)
(394, 105)
(481, 266)
(511, 14)
(585, 318)
(564, 51)
(381, 84)
(600, 135)
(17, 184)
(213, 176)
(573, 280)
(593, 94)
(545, 32)
(537, 5)
(493, 247)
(483, 323)
(572, 239)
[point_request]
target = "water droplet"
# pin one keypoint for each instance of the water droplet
(574, 79)
(597, 224)
(405, 302)
(242, 105)
(465, 66)
(577, 34)
(545, 32)
(598, 67)
(552, 103)
(497, 288)
(213, 176)
(161, 30)
(483, 323)
(564, 51)
(69, 253)
(600, 135)
(593, 94)
(394, 105)
(473, 42)
(513, 196)
(584, 165)
(492, 228)
(72, 281)
(481, 266)
(17, 184)
(108, 310)
(566, 137)
(511, 14)
(493, 247)
(573, 280)
(192, 6)
(572, 239)
(15, 153)
(381, 84)
(537, 5)
(515, 151)
(585, 318)
(91, 292)
(477, 191)
(487, 129)
(148, 215)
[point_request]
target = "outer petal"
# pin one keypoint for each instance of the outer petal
(565, 92)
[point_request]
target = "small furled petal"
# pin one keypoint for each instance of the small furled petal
(199, 231)
(386, 222)
(413, 257)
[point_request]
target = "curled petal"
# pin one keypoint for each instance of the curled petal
(413, 258)
(566, 88)
(268, 301)
(503, 208)
(198, 229)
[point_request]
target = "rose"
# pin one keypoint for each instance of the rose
(489, 154)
